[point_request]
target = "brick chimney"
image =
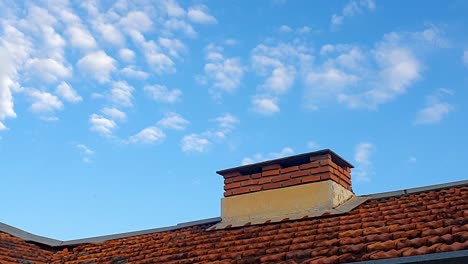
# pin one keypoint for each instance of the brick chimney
(293, 187)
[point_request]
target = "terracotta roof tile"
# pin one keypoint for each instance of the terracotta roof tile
(415, 224)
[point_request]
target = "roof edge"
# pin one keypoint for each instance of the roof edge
(59, 243)
(452, 257)
(434, 187)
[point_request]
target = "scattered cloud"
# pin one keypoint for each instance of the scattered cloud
(43, 101)
(98, 64)
(352, 8)
(259, 157)
(199, 14)
(102, 125)
(114, 114)
(362, 156)
(132, 72)
(121, 94)
(195, 143)
(173, 121)
(149, 135)
(65, 91)
(285, 29)
(265, 105)
(49, 70)
(225, 73)
(2, 127)
(200, 142)
(127, 55)
(436, 108)
(85, 152)
(312, 145)
(412, 159)
(161, 93)
(465, 57)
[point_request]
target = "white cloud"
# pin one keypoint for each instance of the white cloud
(2, 127)
(285, 29)
(102, 125)
(161, 93)
(136, 21)
(149, 135)
(265, 105)
(15, 48)
(465, 57)
(80, 37)
(121, 94)
(173, 46)
(312, 145)
(160, 62)
(199, 14)
(280, 80)
(85, 152)
(225, 73)
(67, 93)
(98, 64)
(48, 69)
(132, 72)
(195, 143)
(352, 8)
(362, 155)
(227, 121)
(173, 121)
(435, 110)
(173, 9)
(84, 149)
(259, 157)
(180, 25)
(43, 101)
(127, 55)
(201, 142)
(114, 114)
(109, 33)
(325, 49)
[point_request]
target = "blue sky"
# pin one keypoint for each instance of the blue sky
(114, 116)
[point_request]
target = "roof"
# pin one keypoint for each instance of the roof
(424, 225)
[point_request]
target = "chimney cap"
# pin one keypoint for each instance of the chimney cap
(286, 162)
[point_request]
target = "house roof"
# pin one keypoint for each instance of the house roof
(423, 225)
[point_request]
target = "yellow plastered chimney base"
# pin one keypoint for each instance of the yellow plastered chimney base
(293, 202)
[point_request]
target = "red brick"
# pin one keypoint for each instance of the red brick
(227, 193)
(289, 169)
(264, 180)
(241, 178)
(280, 178)
(269, 186)
(229, 180)
(232, 185)
(270, 172)
(255, 188)
(309, 165)
(312, 178)
(249, 182)
(320, 170)
(271, 167)
(241, 190)
(299, 173)
(256, 175)
(292, 182)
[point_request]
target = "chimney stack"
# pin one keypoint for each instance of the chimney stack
(309, 184)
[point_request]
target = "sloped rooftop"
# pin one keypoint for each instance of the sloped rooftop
(423, 225)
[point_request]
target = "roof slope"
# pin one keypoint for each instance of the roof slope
(415, 224)
(16, 250)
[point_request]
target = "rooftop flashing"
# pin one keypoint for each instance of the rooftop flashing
(287, 162)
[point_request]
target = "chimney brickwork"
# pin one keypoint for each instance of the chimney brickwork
(274, 176)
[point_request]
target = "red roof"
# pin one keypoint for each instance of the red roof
(430, 221)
